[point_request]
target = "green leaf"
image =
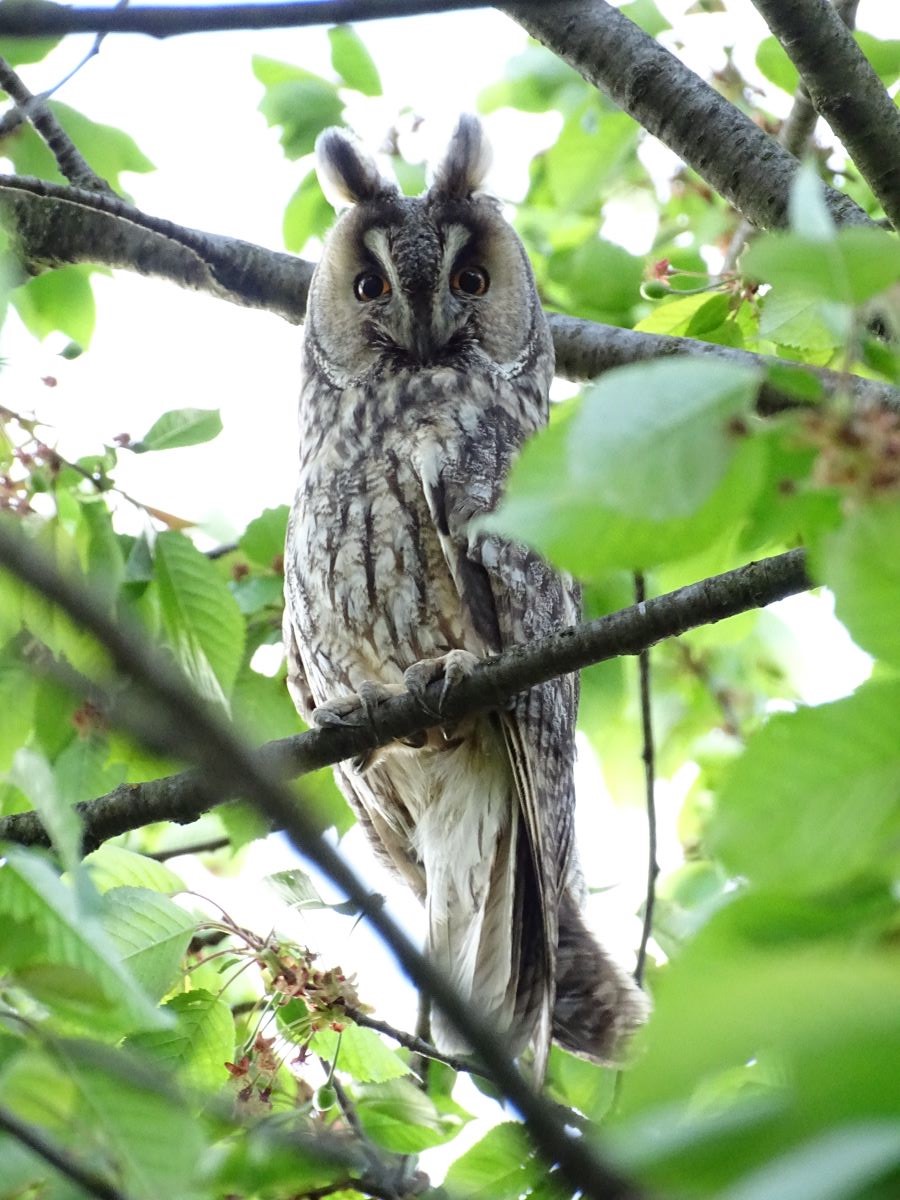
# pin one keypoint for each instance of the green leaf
(855, 266)
(109, 151)
(150, 933)
(83, 771)
(576, 1083)
(352, 61)
(199, 1045)
(307, 214)
(774, 63)
(883, 54)
(180, 427)
(808, 213)
(360, 1053)
(17, 697)
(33, 775)
(61, 955)
(812, 801)
(860, 562)
(203, 623)
(533, 82)
(105, 560)
(19, 52)
(113, 866)
(398, 1116)
(648, 462)
(499, 1167)
(263, 539)
(303, 104)
(61, 299)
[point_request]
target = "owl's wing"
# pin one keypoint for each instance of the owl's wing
(511, 595)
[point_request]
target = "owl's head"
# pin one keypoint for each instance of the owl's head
(418, 282)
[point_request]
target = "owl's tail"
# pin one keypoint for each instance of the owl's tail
(598, 1005)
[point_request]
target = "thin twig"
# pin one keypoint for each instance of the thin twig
(57, 1157)
(649, 757)
(416, 1044)
(73, 165)
(191, 848)
(419, 1063)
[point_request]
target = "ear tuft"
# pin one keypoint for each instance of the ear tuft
(465, 165)
(347, 174)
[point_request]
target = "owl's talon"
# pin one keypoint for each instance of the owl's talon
(451, 667)
(341, 711)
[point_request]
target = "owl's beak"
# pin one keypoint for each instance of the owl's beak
(424, 346)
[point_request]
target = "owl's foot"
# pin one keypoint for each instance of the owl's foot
(337, 713)
(451, 667)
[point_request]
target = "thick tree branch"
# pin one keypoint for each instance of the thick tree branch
(54, 225)
(41, 19)
(737, 158)
(224, 760)
(185, 797)
(844, 89)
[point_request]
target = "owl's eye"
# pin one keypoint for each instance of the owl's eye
(471, 281)
(370, 286)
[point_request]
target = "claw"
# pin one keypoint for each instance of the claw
(338, 712)
(451, 667)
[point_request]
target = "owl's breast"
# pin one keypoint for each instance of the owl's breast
(372, 592)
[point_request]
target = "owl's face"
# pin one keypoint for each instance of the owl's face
(439, 279)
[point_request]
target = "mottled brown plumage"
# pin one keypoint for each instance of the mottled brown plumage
(427, 363)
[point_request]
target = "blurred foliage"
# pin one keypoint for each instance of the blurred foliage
(769, 1069)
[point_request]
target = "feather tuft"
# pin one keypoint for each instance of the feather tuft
(346, 173)
(466, 162)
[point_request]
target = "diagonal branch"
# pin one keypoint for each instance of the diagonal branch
(54, 225)
(58, 1157)
(202, 735)
(167, 20)
(844, 89)
(737, 158)
(69, 158)
(185, 797)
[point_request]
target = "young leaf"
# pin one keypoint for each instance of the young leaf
(263, 539)
(396, 1115)
(113, 866)
(58, 300)
(33, 775)
(352, 61)
(361, 1053)
(857, 264)
(499, 1167)
(202, 620)
(180, 427)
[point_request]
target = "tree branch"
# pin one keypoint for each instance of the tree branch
(648, 755)
(42, 18)
(69, 158)
(55, 225)
(58, 1157)
(413, 1042)
(844, 89)
(185, 797)
(224, 761)
(737, 158)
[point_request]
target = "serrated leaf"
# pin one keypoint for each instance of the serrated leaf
(199, 1045)
(352, 61)
(202, 620)
(854, 266)
(648, 463)
(61, 955)
(150, 933)
(499, 1167)
(860, 562)
(263, 539)
(398, 1116)
(180, 427)
(303, 104)
(812, 801)
(108, 150)
(113, 866)
(360, 1053)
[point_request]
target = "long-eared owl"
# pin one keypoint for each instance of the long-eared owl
(427, 362)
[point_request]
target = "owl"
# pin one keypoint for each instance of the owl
(427, 362)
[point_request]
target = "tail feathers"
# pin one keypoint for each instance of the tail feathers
(598, 1005)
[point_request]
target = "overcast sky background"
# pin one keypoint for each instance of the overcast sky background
(191, 104)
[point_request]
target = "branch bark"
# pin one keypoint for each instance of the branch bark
(54, 225)
(204, 737)
(58, 1157)
(46, 19)
(185, 797)
(737, 158)
(844, 89)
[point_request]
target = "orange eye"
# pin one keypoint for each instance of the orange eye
(471, 281)
(370, 286)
